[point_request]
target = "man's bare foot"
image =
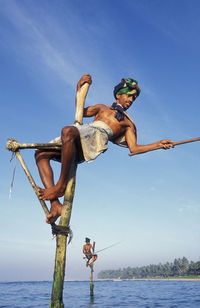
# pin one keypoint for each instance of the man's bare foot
(51, 193)
(55, 211)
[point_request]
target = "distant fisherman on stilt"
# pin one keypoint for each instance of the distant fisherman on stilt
(88, 251)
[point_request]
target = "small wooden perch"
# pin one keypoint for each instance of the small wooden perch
(13, 145)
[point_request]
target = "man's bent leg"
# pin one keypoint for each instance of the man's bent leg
(46, 174)
(70, 146)
(44, 167)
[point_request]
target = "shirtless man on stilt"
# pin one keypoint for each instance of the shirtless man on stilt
(88, 251)
(86, 142)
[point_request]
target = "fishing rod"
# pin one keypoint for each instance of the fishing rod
(108, 247)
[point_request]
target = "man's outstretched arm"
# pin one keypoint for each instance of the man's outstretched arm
(139, 149)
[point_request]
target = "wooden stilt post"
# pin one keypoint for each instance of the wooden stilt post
(91, 283)
(61, 244)
(61, 240)
(91, 273)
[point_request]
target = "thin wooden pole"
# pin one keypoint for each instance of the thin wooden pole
(31, 180)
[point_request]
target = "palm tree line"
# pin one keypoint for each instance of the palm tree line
(180, 267)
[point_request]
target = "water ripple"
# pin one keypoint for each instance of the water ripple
(108, 294)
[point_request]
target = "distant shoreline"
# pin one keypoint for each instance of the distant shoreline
(96, 280)
(152, 279)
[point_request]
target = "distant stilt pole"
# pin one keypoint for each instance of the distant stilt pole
(91, 282)
(91, 273)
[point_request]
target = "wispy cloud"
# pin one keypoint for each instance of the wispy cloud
(21, 243)
(65, 54)
(36, 43)
(176, 28)
(189, 208)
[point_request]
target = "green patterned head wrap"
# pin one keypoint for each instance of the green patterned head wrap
(127, 86)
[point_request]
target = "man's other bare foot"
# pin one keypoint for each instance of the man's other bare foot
(55, 211)
(51, 193)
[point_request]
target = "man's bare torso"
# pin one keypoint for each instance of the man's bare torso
(107, 115)
(87, 248)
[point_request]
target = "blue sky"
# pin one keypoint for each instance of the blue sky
(149, 203)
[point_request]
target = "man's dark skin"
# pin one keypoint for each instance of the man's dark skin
(88, 251)
(71, 152)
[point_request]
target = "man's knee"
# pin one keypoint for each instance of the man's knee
(69, 133)
(39, 155)
(45, 155)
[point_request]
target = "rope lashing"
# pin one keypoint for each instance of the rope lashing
(60, 230)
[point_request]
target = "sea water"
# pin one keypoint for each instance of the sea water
(132, 294)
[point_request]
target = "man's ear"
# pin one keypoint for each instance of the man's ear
(117, 96)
